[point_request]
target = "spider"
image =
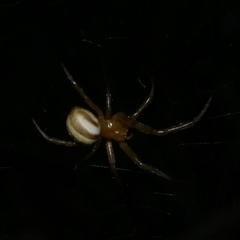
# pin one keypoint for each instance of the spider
(84, 127)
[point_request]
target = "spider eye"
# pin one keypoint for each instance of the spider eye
(83, 125)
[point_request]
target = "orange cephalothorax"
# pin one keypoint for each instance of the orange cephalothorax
(115, 128)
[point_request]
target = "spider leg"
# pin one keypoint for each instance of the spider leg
(82, 93)
(92, 152)
(94, 149)
(124, 146)
(108, 103)
(108, 97)
(179, 127)
(112, 160)
(144, 104)
(54, 140)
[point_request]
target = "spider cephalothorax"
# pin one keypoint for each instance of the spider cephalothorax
(87, 128)
(117, 127)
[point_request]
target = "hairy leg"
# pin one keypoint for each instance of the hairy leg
(112, 160)
(144, 104)
(92, 152)
(108, 104)
(94, 149)
(179, 127)
(82, 93)
(124, 146)
(54, 140)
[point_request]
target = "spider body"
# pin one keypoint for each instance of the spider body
(83, 126)
(87, 128)
(116, 128)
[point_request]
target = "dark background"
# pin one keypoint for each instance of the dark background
(192, 50)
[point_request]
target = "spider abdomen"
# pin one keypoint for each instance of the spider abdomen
(83, 125)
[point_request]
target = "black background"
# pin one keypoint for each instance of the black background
(192, 50)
